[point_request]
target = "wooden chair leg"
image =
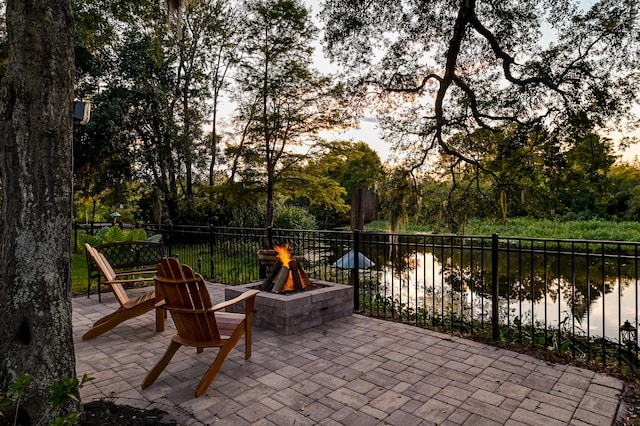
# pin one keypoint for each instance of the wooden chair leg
(161, 315)
(217, 363)
(106, 323)
(153, 374)
(247, 337)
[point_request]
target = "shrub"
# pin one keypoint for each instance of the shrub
(114, 234)
(287, 217)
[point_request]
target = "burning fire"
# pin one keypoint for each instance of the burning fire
(284, 254)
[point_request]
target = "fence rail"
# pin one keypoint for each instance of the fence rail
(569, 295)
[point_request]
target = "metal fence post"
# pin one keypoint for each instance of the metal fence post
(356, 270)
(495, 332)
(212, 249)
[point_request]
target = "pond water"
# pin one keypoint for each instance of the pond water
(584, 294)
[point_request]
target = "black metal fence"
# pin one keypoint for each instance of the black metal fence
(576, 297)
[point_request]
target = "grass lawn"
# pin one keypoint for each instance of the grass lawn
(79, 274)
(599, 230)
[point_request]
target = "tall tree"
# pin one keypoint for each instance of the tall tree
(584, 181)
(154, 98)
(36, 101)
(445, 68)
(223, 55)
(284, 101)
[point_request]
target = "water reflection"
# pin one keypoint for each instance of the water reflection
(582, 293)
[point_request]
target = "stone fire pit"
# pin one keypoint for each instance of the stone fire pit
(291, 312)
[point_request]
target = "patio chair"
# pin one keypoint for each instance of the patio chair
(199, 323)
(129, 307)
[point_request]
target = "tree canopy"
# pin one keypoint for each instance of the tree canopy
(441, 70)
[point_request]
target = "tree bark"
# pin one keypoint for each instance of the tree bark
(36, 101)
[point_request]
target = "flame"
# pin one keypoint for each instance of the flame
(285, 257)
(284, 254)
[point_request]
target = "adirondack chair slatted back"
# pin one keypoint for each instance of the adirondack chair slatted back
(107, 271)
(187, 298)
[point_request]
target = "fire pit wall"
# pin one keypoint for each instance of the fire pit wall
(292, 312)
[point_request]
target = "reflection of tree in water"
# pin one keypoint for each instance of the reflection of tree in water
(449, 279)
(531, 277)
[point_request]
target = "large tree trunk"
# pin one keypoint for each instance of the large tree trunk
(36, 100)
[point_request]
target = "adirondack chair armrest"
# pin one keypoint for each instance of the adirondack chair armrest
(195, 279)
(246, 296)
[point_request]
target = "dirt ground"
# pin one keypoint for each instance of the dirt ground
(105, 413)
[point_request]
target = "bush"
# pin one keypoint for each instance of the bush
(114, 234)
(287, 217)
(293, 217)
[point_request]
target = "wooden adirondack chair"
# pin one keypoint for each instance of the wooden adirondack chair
(129, 307)
(198, 322)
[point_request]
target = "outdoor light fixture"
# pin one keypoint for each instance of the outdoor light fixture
(81, 112)
(115, 216)
(348, 261)
(628, 335)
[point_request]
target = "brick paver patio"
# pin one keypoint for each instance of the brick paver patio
(352, 371)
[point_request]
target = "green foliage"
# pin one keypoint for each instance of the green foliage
(148, 72)
(61, 391)
(544, 228)
(441, 91)
(293, 217)
(516, 136)
(600, 230)
(327, 182)
(351, 164)
(489, 155)
(114, 234)
(247, 217)
(399, 199)
(285, 216)
(623, 192)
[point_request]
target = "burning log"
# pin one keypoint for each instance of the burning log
(306, 282)
(295, 275)
(267, 284)
(281, 279)
(286, 274)
(267, 260)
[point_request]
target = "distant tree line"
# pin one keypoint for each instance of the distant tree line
(527, 177)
